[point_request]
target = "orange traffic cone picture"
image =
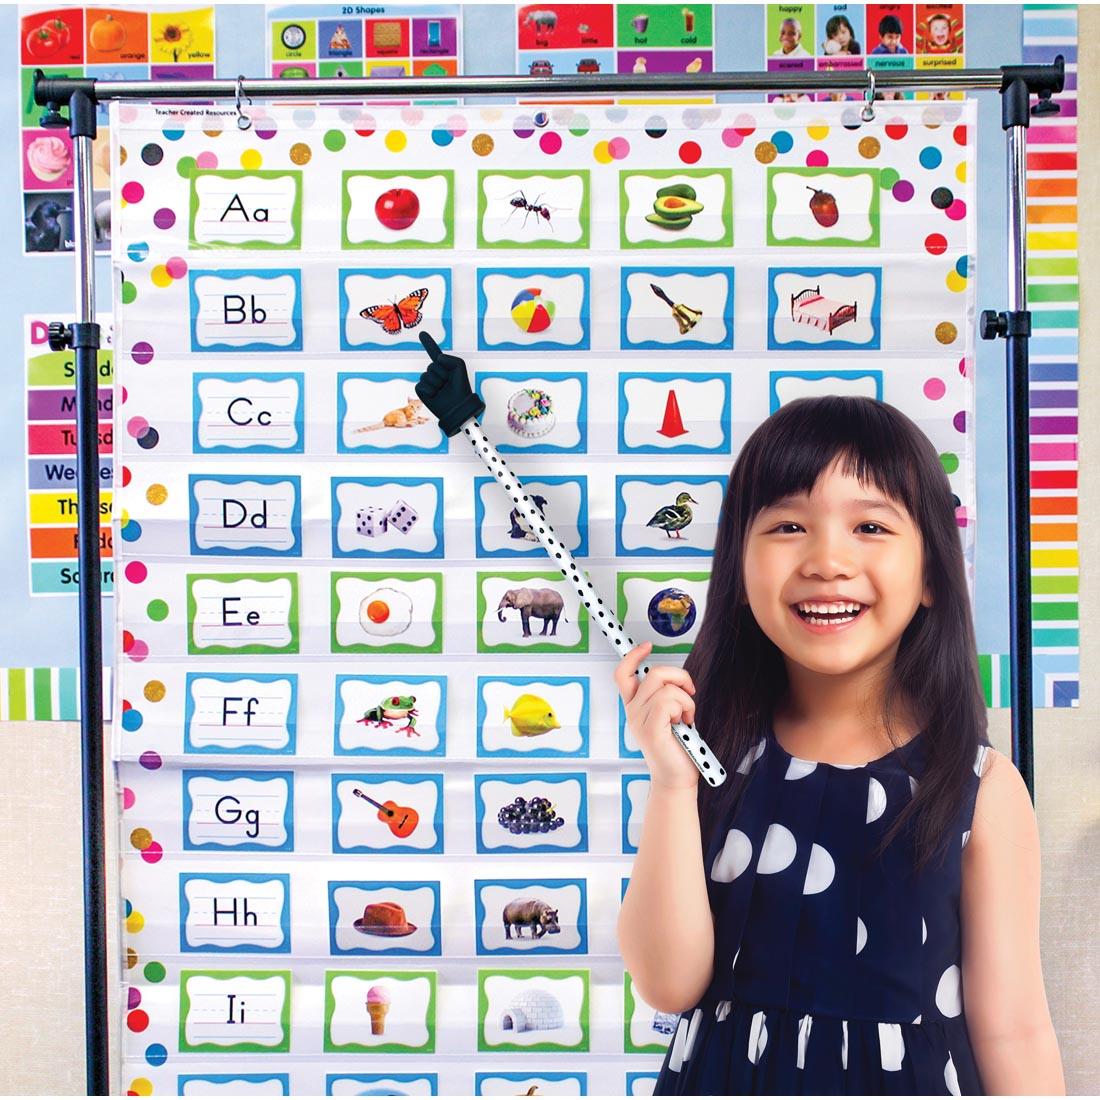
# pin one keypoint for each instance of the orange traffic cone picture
(672, 425)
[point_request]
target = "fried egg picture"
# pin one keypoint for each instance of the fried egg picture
(385, 612)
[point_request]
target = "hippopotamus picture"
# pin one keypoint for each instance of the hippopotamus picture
(531, 913)
(544, 603)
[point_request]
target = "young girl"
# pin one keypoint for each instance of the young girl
(813, 921)
(840, 37)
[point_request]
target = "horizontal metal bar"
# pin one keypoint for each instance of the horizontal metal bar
(683, 84)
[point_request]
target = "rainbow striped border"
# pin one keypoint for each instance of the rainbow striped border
(1052, 296)
(45, 694)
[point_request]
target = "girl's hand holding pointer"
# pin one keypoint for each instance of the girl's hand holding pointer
(653, 704)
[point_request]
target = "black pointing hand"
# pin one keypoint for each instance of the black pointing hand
(445, 388)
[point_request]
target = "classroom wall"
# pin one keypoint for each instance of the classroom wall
(41, 927)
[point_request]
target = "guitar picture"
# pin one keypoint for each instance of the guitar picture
(402, 820)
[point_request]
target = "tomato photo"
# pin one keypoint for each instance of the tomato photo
(53, 37)
(42, 43)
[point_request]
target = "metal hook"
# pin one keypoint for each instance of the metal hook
(243, 121)
(868, 112)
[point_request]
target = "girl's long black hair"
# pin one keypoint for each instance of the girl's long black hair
(739, 673)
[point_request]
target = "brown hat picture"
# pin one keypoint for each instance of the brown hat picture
(384, 918)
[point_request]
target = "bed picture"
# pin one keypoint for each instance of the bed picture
(811, 307)
(824, 308)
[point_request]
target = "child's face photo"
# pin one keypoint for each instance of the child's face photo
(789, 35)
(939, 30)
(843, 539)
(843, 37)
(890, 42)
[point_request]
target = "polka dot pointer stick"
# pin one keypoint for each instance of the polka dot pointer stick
(445, 389)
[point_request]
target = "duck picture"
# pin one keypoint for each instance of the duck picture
(674, 517)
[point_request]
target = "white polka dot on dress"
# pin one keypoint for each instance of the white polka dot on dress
(735, 856)
(876, 800)
(693, 1028)
(979, 760)
(758, 1037)
(799, 769)
(752, 756)
(891, 1047)
(778, 850)
(676, 1054)
(951, 1076)
(819, 872)
(804, 1026)
(949, 991)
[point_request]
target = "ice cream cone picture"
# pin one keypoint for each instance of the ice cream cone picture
(378, 1004)
(672, 425)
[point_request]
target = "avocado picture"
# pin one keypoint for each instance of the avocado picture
(675, 207)
(679, 190)
(668, 223)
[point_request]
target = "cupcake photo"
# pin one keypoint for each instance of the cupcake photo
(47, 159)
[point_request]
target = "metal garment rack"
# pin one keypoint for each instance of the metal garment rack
(1015, 83)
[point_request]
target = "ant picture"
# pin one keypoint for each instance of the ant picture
(519, 201)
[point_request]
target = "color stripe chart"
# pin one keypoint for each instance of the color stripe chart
(1052, 297)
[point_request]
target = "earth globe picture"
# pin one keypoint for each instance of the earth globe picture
(671, 612)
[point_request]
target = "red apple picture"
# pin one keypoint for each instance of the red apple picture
(397, 208)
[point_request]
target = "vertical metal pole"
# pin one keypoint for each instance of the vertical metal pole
(85, 342)
(1015, 118)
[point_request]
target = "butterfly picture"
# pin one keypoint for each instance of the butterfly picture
(406, 311)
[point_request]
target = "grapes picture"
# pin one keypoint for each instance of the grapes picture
(535, 815)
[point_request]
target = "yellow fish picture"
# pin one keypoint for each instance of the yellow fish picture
(531, 716)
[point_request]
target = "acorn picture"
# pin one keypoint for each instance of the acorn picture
(823, 207)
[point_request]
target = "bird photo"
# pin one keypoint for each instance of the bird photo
(45, 226)
(674, 517)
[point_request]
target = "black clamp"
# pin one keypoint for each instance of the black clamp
(993, 325)
(61, 336)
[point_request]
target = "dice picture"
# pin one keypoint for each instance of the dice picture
(370, 522)
(401, 516)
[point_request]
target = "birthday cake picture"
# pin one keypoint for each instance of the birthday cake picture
(531, 413)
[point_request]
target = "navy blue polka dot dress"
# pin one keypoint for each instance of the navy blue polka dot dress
(834, 974)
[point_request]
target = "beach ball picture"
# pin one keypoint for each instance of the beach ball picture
(531, 311)
(386, 612)
(671, 612)
(397, 208)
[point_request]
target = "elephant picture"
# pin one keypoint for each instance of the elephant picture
(544, 603)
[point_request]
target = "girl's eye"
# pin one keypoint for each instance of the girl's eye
(879, 530)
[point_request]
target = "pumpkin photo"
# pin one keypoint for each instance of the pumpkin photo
(107, 35)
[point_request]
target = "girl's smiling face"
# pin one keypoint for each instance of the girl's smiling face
(844, 541)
